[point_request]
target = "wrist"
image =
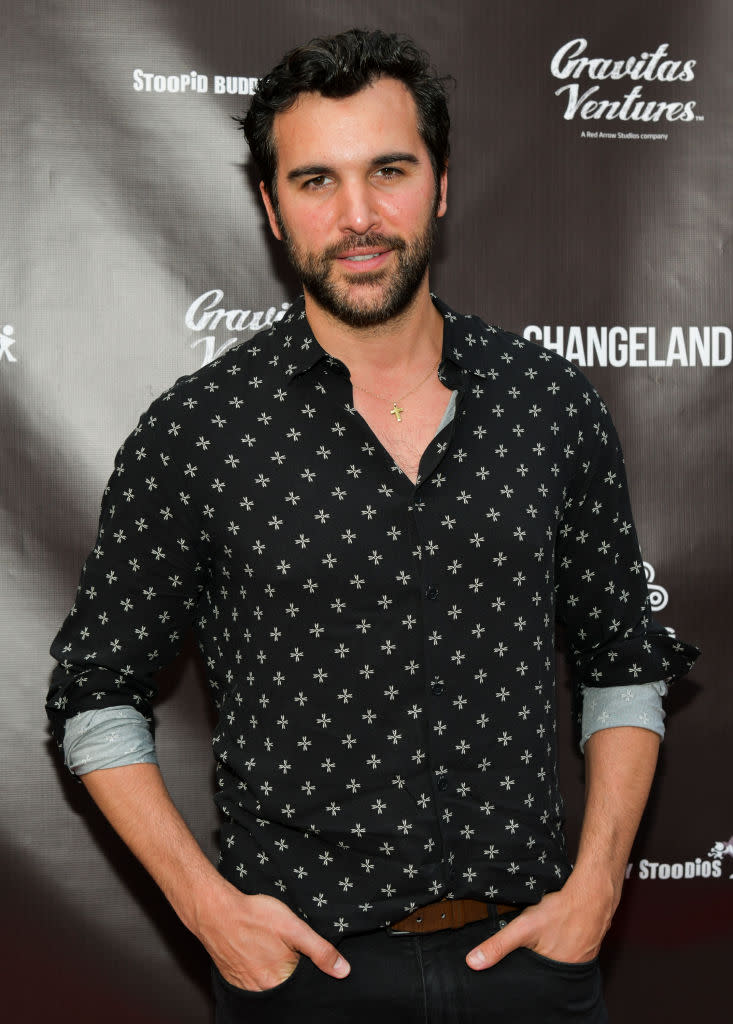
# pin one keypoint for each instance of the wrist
(202, 900)
(590, 884)
(599, 872)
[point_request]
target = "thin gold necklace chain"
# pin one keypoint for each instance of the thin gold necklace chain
(396, 409)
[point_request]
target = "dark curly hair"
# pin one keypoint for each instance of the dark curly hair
(339, 66)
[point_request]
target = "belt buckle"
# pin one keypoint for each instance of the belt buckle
(396, 931)
(449, 911)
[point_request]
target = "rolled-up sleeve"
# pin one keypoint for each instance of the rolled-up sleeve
(608, 707)
(140, 585)
(108, 738)
(602, 597)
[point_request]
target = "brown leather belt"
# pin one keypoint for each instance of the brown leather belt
(448, 914)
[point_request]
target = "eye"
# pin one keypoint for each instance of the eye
(318, 182)
(389, 173)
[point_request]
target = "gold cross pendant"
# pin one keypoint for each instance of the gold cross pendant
(395, 411)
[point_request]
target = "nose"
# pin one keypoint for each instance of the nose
(358, 210)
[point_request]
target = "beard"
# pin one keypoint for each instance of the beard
(388, 291)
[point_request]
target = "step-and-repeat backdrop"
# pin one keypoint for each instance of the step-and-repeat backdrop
(589, 208)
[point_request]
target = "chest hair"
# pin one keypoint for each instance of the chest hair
(405, 440)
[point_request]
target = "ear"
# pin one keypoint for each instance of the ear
(443, 201)
(269, 207)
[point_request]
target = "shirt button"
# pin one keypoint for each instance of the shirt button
(437, 688)
(431, 593)
(442, 783)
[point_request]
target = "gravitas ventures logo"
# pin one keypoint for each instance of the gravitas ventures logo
(591, 102)
(207, 314)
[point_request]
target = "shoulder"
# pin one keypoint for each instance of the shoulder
(517, 363)
(226, 382)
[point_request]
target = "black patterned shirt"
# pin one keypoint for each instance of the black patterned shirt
(381, 653)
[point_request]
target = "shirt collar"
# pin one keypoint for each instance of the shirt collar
(296, 348)
(467, 341)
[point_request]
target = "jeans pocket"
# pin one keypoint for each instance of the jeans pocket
(564, 965)
(229, 990)
(560, 991)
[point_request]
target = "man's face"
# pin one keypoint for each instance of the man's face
(357, 201)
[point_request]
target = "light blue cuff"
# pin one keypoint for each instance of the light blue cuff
(108, 738)
(606, 707)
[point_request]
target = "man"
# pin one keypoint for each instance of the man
(373, 515)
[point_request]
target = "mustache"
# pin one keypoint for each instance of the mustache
(368, 241)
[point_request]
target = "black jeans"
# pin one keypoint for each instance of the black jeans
(423, 979)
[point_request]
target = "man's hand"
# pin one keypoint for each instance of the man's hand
(257, 941)
(567, 925)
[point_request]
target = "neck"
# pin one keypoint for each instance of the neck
(415, 336)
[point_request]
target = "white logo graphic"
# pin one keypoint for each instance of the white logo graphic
(720, 850)
(697, 868)
(192, 81)
(6, 340)
(658, 596)
(619, 345)
(570, 62)
(711, 866)
(206, 314)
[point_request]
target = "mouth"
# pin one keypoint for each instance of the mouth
(361, 260)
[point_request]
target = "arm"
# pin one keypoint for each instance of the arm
(255, 941)
(142, 586)
(569, 925)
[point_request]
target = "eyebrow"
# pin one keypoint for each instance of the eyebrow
(378, 161)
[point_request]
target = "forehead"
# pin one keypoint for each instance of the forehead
(382, 117)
